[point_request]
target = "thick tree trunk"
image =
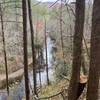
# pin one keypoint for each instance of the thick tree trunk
(33, 46)
(77, 49)
(24, 7)
(94, 72)
(4, 49)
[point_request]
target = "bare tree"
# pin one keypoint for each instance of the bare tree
(77, 49)
(61, 30)
(33, 46)
(46, 53)
(94, 71)
(24, 8)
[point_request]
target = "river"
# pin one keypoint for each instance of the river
(19, 92)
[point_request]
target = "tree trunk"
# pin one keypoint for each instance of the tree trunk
(94, 71)
(46, 54)
(83, 65)
(77, 49)
(33, 46)
(24, 7)
(84, 69)
(61, 33)
(39, 61)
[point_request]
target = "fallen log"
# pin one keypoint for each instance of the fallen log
(12, 78)
(17, 75)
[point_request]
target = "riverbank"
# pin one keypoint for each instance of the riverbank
(54, 91)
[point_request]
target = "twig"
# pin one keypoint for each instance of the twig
(50, 96)
(53, 4)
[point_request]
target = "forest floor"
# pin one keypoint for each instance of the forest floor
(54, 89)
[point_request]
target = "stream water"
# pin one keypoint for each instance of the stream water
(18, 93)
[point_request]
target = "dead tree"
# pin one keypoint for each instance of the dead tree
(4, 49)
(33, 46)
(94, 71)
(24, 8)
(77, 49)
